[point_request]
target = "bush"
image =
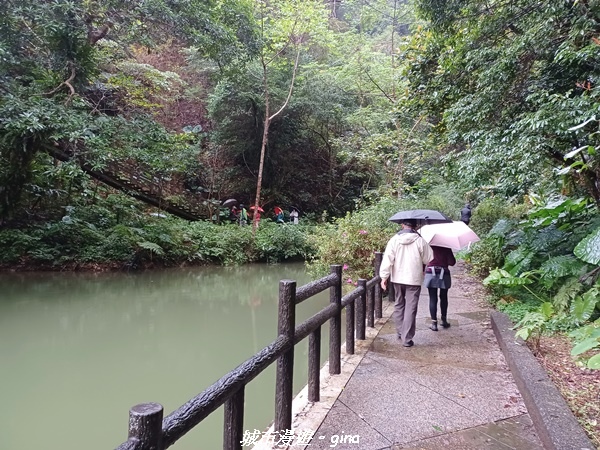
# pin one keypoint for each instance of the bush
(486, 255)
(491, 210)
(276, 242)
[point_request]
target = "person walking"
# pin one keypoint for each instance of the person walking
(404, 260)
(437, 276)
(465, 214)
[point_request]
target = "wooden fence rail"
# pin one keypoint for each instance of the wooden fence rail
(149, 431)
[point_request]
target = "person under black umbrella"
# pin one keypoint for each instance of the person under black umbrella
(405, 255)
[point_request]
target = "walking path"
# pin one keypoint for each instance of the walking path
(453, 389)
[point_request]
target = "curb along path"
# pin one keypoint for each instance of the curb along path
(453, 389)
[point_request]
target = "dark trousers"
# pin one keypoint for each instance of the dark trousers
(433, 300)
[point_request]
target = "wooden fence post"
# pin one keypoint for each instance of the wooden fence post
(378, 292)
(233, 422)
(335, 327)
(314, 365)
(391, 291)
(370, 306)
(350, 328)
(285, 363)
(145, 425)
(361, 306)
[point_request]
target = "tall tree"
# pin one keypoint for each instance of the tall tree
(287, 28)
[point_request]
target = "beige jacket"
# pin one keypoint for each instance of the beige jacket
(404, 259)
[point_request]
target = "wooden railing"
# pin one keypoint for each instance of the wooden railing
(149, 431)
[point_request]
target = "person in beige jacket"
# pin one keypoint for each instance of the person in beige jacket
(404, 260)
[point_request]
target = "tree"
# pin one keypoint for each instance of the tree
(287, 27)
(505, 85)
(54, 57)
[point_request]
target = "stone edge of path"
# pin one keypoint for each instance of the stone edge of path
(308, 415)
(554, 422)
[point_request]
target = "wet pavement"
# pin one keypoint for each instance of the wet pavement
(453, 389)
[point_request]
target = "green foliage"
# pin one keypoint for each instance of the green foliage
(143, 241)
(516, 309)
(533, 324)
(588, 249)
(557, 268)
(518, 261)
(502, 277)
(510, 93)
(491, 209)
(486, 255)
(560, 213)
(587, 338)
(276, 242)
(567, 292)
(583, 307)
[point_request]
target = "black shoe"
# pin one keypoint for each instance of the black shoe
(445, 324)
(433, 326)
(408, 344)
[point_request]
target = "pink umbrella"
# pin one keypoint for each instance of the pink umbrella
(454, 235)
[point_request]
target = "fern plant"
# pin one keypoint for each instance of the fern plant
(533, 325)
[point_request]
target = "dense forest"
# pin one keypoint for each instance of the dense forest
(124, 125)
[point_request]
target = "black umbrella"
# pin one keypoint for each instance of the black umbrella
(421, 216)
(230, 202)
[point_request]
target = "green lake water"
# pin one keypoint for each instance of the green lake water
(78, 350)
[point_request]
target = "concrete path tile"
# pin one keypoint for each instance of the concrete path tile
(491, 436)
(400, 408)
(345, 430)
(458, 347)
(489, 394)
(523, 427)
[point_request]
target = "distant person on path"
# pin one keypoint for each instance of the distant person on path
(404, 260)
(278, 214)
(233, 214)
(465, 214)
(437, 276)
(294, 216)
(243, 215)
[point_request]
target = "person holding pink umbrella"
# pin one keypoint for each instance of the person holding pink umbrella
(437, 277)
(443, 238)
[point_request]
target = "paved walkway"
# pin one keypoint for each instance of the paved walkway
(453, 389)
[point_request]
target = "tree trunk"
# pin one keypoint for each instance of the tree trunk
(263, 148)
(267, 124)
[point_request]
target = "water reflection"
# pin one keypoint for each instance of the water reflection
(79, 349)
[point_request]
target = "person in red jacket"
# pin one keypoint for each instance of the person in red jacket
(437, 276)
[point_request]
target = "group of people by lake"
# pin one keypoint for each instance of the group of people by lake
(242, 216)
(409, 262)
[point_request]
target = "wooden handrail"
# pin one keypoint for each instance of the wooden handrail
(147, 429)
